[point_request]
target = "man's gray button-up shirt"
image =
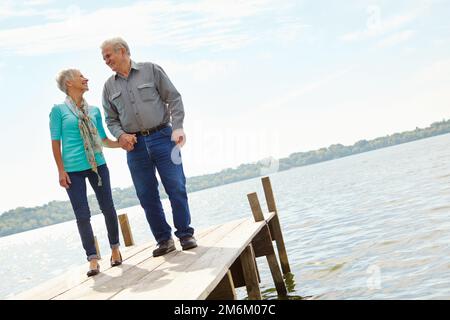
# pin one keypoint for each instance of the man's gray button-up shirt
(146, 99)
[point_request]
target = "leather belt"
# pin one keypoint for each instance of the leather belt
(147, 132)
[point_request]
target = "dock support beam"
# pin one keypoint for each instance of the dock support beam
(126, 230)
(264, 241)
(250, 273)
(275, 227)
(225, 290)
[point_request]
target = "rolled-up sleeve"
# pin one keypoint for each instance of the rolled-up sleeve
(111, 115)
(170, 96)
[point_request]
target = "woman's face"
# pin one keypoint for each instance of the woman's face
(79, 82)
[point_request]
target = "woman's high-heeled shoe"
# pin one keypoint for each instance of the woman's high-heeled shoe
(93, 272)
(115, 263)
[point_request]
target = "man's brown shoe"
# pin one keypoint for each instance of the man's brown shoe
(164, 247)
(188, 243)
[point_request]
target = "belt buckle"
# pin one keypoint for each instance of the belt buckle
(145, 132)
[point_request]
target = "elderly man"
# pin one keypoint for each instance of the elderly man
(144, 111)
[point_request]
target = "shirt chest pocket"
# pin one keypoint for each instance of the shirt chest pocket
(147, 91)
(116, 100)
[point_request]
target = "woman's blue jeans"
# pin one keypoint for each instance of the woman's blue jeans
(156, 152)
(78, 198)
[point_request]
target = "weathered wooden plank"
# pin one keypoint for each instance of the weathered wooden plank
(266, 248)
(112, 281)
(261, 246)
(108, 284)
(276, 274)
(69, 279)
(278, 235)
(275, 227)
(237, 273)
(273, 263)
(236, 268)
(255, 206)
(250, 274)
(263, 242)
(268, 192)
(234, 237)
(195, 273)
(77, 276)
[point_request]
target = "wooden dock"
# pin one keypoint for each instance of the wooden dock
(225, 259)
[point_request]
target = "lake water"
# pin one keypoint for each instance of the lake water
(370, 226)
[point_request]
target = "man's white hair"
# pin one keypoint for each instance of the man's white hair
(64, 76)
(116, 44)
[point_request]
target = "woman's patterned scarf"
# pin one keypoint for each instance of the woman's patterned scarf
(91, 139)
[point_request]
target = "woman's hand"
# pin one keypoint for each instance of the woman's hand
(64, 179)
(112, 144)
(127, 141)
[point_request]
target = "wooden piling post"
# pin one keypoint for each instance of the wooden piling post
(255, 206)
(264, 240)
(275, 226)
(250, 274)
(126, 230)
(97, 248)
(225, 290)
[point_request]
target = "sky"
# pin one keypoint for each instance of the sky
(258, 78)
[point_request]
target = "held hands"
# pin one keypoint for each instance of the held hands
(64, 179)
(179, 137)
(127, 141)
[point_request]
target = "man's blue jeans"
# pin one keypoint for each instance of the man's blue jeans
(78, 198)
(151, 153)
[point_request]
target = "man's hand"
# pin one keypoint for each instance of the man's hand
(179, 137)
(64, 179)
(127, 141)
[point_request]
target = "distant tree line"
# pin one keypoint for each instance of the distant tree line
(23, 219)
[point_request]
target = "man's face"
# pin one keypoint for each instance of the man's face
(113, 59)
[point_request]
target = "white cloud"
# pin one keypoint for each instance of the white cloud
(2, 65)
(437, 73)
(296, 92)
(202, 70)
(289, 30)
(377, 26)
(37, 2)
(441, 41)
(206, 24)
(396, 38)
(227, 8)
(12, 9)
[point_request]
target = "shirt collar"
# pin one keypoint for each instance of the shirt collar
(134, 65)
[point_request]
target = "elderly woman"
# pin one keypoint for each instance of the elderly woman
(78, 128)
